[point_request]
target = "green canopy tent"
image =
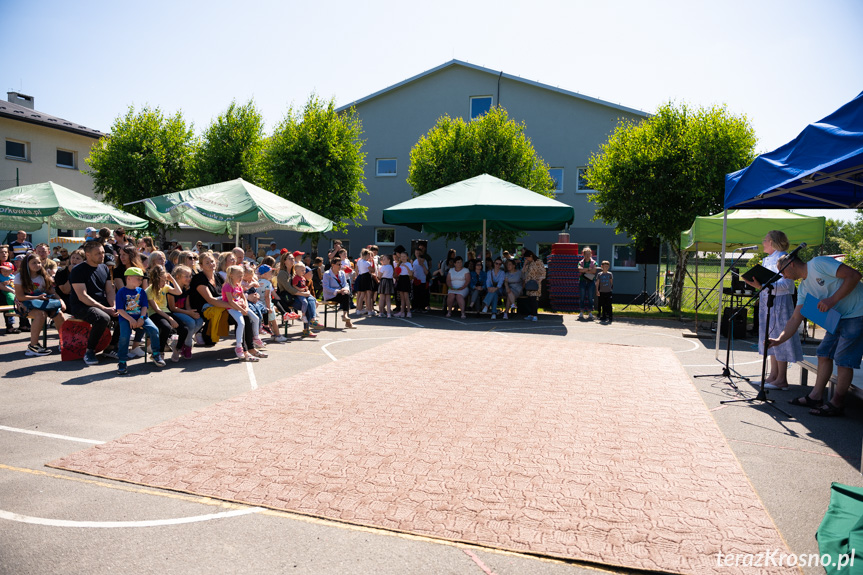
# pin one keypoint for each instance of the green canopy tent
(29, 207)
(478, 204)
(747, 228)
(235, 206)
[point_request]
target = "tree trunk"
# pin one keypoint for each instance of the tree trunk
(679, 275)
(314, 251)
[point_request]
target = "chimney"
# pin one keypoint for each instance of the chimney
(20, 99)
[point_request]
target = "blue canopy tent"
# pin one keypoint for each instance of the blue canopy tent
(820, 168)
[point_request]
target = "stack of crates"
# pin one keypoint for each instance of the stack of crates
(563, 277)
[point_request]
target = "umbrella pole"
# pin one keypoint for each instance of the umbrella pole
(237, 240)
(483, 245)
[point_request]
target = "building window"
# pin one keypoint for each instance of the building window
(624, 257)
(65, 159)
(16, 150)
(385, 236)
(556, 175)
(479, 105)
(386, 167)
(581, 184)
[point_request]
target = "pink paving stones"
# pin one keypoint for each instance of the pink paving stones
(622, 466)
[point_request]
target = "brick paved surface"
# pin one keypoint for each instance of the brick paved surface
(602, 453)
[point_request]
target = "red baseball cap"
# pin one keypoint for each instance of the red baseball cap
(284, 251)
(298, 253)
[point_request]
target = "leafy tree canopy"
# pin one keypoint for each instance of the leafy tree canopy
(146, 154)
(655, 177)
(232, 147)
(455, 150)
(315, 159)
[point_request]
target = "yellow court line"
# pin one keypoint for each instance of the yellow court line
(295, 516)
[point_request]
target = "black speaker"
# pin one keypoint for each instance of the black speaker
(739, 322)
(647, 251)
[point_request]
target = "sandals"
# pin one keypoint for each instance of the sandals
(806, 401)
(828, 410)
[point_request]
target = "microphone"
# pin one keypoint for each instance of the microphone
(794, 252)
(746, 248)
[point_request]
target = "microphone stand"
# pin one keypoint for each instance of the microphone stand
(762, 393)
(726, 368)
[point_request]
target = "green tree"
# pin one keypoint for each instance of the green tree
(146, 154)
(654, 177)
(455, 150)
(232, 147)
(315, 159)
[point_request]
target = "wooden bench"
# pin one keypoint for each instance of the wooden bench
(810, 363)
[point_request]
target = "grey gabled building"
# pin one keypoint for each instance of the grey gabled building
(564, 127)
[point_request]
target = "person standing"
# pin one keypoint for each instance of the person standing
(587, 268)
(775, 245)
(835, 286)
(533, 270)
(20, 247)
(604, 292)
(93, 296)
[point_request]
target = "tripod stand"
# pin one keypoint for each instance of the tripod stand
(649, 300)
(727, 370)
(762, 393)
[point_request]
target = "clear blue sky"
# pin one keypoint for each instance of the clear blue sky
(781, 63)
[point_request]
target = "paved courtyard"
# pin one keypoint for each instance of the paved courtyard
(58, 521)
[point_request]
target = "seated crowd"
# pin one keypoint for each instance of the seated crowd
(188, 298)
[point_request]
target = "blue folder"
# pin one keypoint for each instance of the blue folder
(828, 320)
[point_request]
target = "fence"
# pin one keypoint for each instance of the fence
(697, 282)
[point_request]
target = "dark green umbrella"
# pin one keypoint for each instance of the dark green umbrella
(480, 203)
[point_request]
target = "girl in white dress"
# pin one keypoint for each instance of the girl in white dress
(775, 245)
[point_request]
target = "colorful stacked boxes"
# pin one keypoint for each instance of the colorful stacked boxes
(563, 277)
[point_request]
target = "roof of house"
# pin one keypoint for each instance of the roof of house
(17, 112)
(501, 75)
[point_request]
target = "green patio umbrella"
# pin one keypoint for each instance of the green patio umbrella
(480, 203)
(235, 206)
(29, 207)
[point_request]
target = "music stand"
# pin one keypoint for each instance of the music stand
(726, 368)
(762, 392)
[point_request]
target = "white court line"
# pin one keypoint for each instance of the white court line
(408, 321)
(114, 524)
(252, 380)
(719, 363)
(332, 357)
(52, 435)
